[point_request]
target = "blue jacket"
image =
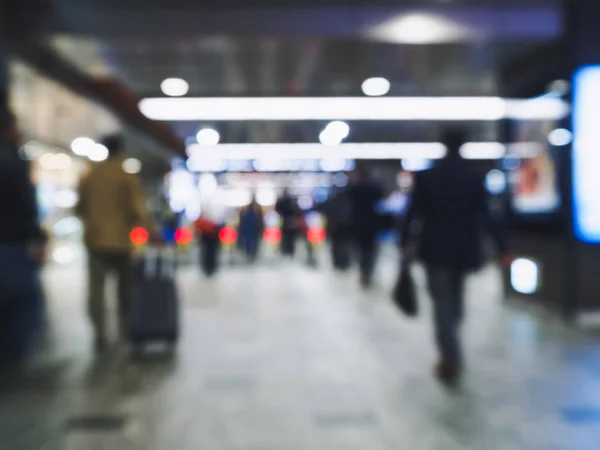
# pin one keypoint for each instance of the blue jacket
(449, 203)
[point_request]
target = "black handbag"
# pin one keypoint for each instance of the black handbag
(404, 295)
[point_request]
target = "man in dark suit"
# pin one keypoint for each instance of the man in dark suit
(365, 193)
(21, 248)
(449, 203)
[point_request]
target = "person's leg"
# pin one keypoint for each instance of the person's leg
(443, 291)
(97, 271)
(368, 254)
(124, 269)
(21, 302)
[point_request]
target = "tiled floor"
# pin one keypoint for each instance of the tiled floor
(282, 356)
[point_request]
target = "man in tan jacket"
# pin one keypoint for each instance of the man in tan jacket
(111, 204)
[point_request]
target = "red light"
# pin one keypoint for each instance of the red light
(139, 236)
(183, 236)
(228, 235)
(316, 235)
(272, 235)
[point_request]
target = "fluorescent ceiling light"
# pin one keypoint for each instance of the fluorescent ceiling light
(376, 87)
(174, 87)
(352, 108)
(419, 29)
(426, 150)
(483, 150)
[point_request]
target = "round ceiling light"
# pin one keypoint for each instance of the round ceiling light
(560, 137)
(174, 87)
(376, 87)
(208, 137)
(329, 138)
(132, 165)
(339, 128)
(82, 146)
(98, 153)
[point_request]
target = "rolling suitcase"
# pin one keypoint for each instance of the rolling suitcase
(155, 304)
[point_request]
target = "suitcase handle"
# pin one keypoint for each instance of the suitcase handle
(160, 262)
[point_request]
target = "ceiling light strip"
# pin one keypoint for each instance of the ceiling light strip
(352, 108)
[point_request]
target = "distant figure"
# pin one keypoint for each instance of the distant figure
(21, 249)
(208, 226)
(290, 213)
(339, 213)
(251, 229)
(449, 202)
(111, 204)
(365, 195)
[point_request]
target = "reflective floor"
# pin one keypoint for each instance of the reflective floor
(283, 356)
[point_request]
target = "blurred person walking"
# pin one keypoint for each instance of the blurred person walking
(251, 228)
(111, 204)
(208, 226)
(22, 244)
(365, 194)
(449, 202)
(290, 213)
(339, 214)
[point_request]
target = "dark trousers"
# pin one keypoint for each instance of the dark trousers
(100, 265)
(288, 241)
(209, 254)
(22, 311)
(340, 249)
(446, 287)
(250, 246)
(367, 256)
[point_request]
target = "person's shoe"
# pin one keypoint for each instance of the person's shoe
(448, 373)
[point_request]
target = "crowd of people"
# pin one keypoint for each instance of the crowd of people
(442, 229)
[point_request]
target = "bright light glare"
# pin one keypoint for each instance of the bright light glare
(236, 198)
(266, 197)
(98, 153)
(524, 276)
(82, 146)
(305, 202)
(560, 137)
(334, 165)
(67, 226)
(419, 29)
(495, 182)
(329, 138)
(376, 87)
(132, 165)
(66, 199)
(325, 108)
(483, 150)
(63, 255)
(208, 137)
(267, 152)
(174, 87)
(62, 161)
(416, 164)
(586, 158)
(339, 128)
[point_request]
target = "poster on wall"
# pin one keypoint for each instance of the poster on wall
(533, 169)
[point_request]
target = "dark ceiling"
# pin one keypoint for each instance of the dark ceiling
(294, 47)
